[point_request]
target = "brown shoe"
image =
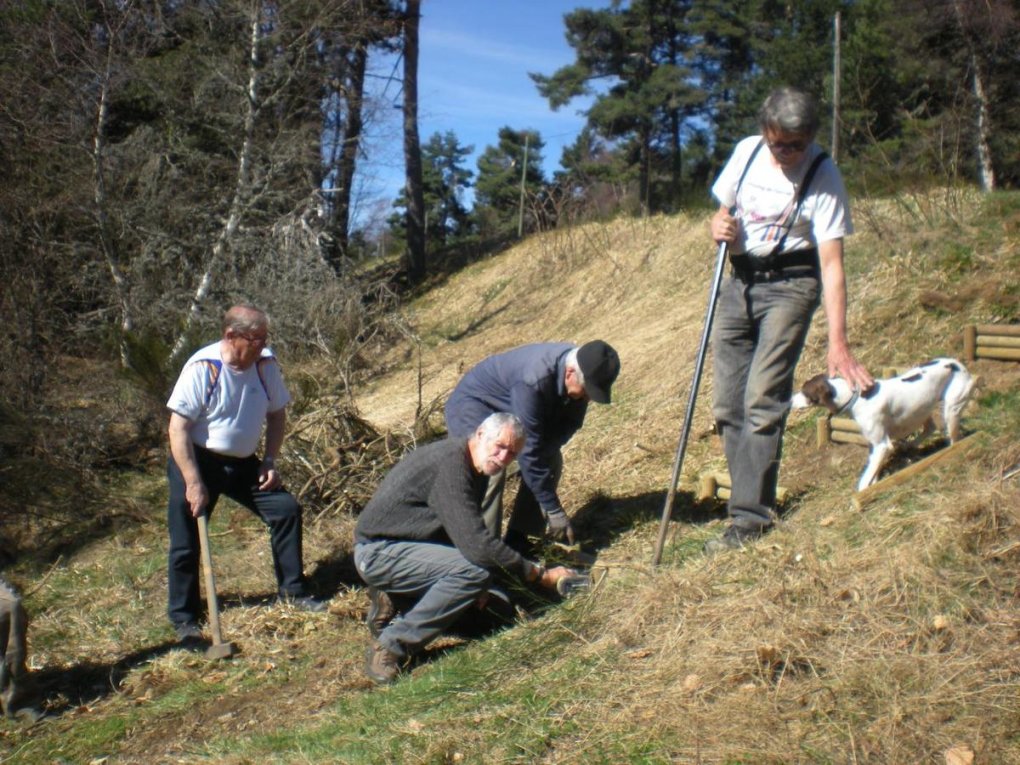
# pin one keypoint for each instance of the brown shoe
(381, 665)
(380, 611)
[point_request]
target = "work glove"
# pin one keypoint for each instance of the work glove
(560, 529)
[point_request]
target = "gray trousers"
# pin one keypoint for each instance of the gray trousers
(445, 583)
(527, 516)
(13, 654)
(757, 339)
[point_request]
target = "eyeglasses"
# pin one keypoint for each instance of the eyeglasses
(259, 340)
(790, 146)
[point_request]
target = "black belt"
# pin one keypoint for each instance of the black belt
(202, 452)
(786, 265)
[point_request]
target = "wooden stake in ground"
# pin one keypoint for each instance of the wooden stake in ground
(219, 649)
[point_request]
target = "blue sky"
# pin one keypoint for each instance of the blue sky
(473, 76)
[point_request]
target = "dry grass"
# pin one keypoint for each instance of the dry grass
(888, 636)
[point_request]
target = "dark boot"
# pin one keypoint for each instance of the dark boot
(734, 538)
(381, 665)
(380, 611)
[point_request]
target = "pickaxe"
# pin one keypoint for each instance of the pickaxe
(219, 649)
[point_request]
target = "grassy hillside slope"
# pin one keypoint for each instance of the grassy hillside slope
(890, 635)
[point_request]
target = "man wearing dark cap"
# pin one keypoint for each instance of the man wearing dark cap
(548, 386)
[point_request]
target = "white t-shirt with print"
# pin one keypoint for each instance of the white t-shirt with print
(767, 198)
(228, 407)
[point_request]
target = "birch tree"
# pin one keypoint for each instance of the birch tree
(240, 195)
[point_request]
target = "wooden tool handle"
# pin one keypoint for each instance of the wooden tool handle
(210, 579)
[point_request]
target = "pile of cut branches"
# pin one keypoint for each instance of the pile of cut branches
(336, 458)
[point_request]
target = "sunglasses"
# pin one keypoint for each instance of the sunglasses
(791, 146)
(260, 340)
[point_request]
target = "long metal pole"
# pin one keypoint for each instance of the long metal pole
(685, 429)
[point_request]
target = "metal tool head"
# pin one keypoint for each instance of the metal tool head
(569, 586)
(571, 555)
(220, 651)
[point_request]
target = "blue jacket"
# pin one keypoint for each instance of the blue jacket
(528, 382)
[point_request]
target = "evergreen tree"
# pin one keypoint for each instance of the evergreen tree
(499, 199)
(444, 182)
(634, 60)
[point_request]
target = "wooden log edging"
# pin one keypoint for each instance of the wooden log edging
(991, 341)
(862, 497)
(842, 430)
(718, 486)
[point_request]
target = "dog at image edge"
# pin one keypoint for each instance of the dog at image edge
(895, 407)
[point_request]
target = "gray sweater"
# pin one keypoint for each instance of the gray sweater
(434, 494)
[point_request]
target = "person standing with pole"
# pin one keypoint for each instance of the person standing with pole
(224, 396)
(783, 214)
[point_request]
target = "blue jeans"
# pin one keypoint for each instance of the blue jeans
(444, 581)
(238, 479)
(757, 339)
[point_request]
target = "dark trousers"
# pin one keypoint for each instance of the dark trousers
(13, 670)
(238, 479)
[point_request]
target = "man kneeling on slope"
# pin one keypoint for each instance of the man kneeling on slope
(422, 535)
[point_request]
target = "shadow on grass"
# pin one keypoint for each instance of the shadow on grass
(329, 576)
(473, 327)
(910, 452)
(601, 521)
(333, 573)
(60, 689)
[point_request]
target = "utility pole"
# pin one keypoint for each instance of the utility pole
(524, 175)
(836, 67)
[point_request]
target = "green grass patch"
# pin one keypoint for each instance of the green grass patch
(503, 695)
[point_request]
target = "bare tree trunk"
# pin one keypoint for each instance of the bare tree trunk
(524, 178)
(412, 147)
(837, 74)
(107, 241)
(986, 172)
(351, 144)
(984, 131)
(239, 199)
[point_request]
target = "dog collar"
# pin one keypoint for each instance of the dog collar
(849, 404)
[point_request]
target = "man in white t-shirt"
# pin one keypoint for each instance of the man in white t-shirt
(224, 394)
(783, 213)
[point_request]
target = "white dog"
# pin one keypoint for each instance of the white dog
(894, 408)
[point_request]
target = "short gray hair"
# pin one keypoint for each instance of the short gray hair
(789, 110)
(495, 423)
(571, 363)
(245, 318)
